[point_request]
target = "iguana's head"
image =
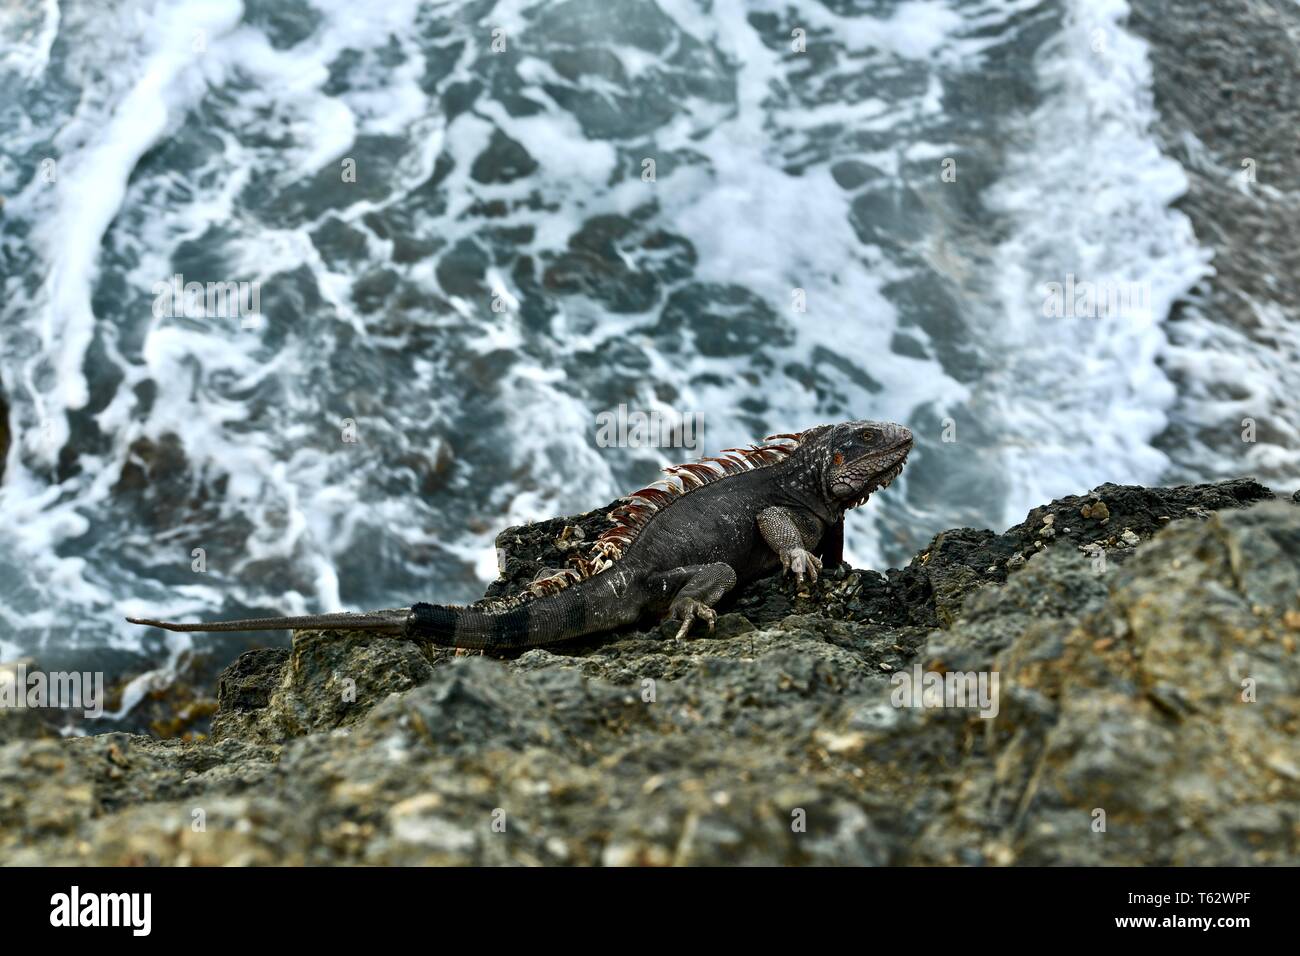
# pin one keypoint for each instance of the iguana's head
(863, 457)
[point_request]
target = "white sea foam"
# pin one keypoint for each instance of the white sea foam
(1089, 194)
(153, 83)
(92, 183)
(27, 36)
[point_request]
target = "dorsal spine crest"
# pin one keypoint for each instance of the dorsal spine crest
(638, 508)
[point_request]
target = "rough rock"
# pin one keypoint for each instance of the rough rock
(1148, 712)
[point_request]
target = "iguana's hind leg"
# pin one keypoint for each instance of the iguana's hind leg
(698, 587)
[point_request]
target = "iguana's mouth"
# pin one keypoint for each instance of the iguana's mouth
(891, 474)
(882, 481)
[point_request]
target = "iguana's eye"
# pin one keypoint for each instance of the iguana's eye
(870, 435)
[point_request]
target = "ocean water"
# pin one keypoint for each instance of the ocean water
(468, 229)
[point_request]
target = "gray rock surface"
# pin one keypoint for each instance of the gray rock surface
(1148, 681)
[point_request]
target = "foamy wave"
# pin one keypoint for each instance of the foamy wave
(1089, 194)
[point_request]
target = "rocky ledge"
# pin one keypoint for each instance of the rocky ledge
(1147, 712)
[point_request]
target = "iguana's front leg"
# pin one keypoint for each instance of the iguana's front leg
(699, 587)
(790, 536)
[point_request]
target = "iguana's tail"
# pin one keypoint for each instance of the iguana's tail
(596, 604)
(573, 612)
(392, 621)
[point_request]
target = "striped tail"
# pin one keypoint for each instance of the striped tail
(596, 604)
(587, 607)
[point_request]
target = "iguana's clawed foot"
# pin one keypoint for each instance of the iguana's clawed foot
(801, 562)
(687, 610)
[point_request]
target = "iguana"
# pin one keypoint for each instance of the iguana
(676, 547)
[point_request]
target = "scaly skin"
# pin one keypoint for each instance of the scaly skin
(689, 554)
